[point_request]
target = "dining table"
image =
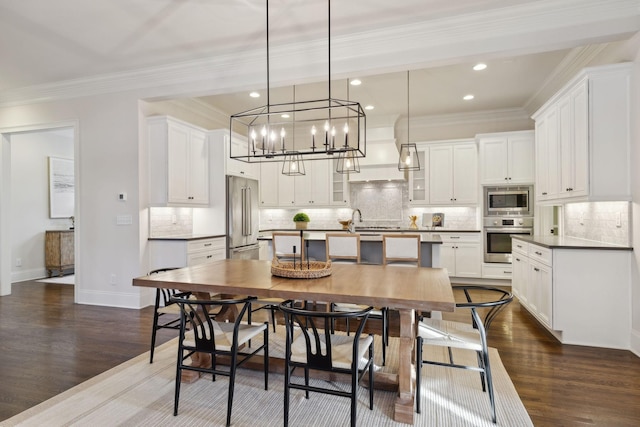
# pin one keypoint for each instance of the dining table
(405, 289)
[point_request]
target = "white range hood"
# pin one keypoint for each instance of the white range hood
(381, 162)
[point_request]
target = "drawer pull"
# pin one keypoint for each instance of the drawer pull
(208, 244)
(518, 259)
(506, 272)
(538, 253)
(536, 269)
(455, 237)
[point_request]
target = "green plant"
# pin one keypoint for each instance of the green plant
(301, 217)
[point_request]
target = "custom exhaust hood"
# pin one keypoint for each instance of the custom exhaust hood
(381, 162)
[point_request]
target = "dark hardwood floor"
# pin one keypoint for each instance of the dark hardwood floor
(49, 344)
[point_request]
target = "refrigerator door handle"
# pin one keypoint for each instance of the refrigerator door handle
(243, 197)
(249, 212)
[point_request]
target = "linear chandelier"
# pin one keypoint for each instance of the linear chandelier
(305, 130)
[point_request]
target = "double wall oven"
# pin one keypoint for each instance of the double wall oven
(507, 211)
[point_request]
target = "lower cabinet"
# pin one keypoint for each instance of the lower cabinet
(532, 280)
(579, 293)
(185, 253)
(461, 254)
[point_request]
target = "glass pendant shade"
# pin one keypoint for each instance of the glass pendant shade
(293, 165)
(409, 160)
(348, 162)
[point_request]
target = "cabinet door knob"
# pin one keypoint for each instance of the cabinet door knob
(536, 269)
(544, 193)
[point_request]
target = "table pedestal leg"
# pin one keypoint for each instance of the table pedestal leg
(403, 410)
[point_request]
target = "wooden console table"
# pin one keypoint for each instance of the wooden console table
(58, 251)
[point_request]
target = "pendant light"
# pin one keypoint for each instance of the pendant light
(347, 157)
(408, 159)
(293, 164)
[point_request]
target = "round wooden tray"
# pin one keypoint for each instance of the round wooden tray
(316, 269)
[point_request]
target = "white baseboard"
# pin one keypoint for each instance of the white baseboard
(635, 342)
(32, 274)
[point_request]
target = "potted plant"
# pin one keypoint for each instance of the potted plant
(301, 219)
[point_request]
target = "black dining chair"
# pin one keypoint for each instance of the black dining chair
(465, 336)
(311, 345)
(200, 332)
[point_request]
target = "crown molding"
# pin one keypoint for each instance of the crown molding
(578, 59)
(524, 28)
(442, 120)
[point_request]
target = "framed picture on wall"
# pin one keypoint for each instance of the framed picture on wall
(61, 188)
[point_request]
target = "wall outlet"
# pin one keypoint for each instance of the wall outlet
(112, 279)
(18, 262)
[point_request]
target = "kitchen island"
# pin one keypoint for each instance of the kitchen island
(370, 244)
(578, 289)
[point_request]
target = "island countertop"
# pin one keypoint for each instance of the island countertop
(371, 235)
(565, 242)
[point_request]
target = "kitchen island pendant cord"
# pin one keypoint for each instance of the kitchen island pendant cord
(408, 151)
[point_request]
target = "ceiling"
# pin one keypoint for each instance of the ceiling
(43, 42)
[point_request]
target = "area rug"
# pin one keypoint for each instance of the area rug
(65, 280)
(137, 393)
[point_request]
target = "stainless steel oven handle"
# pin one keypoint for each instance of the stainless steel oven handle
(506, 230)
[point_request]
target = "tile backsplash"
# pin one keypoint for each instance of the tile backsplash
(167, 222)
(383, 204)
(598, 221)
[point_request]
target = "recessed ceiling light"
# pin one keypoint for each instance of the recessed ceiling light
(285, 116)
(369, 107)
(479, 66)
(254, 95)
(356, 82)
(468, 97)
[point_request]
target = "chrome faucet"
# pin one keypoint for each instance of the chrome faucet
(352, 224)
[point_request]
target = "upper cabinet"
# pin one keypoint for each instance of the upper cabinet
(453, 174)
(507, 158)
(237, 147)
(178, 163)
(448, 175)
(321, 186)
(583, 138)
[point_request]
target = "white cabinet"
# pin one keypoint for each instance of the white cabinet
(507, 158)
(339, 186)
(579, 293)
(453, 176)
(169, 253)
(312, 189)
(418, 179)
(317, 188)
(237, 147)
(532, 280)
(269, 172)
(583, 138)
(179, 163)
(461, 254)
(497, 270)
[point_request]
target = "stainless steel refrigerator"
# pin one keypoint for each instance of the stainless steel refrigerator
(242, 218)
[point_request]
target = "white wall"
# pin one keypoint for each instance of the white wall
(30, 197)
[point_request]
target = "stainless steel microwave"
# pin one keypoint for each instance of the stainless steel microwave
(512, 200)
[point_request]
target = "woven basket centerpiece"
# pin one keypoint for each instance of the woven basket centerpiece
(302, 270)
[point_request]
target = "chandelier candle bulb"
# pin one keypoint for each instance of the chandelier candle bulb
(263, 132)
(346, 135)
(333, 137)
(253, 141)
(326, 134)
(313, 137)
(282, 134)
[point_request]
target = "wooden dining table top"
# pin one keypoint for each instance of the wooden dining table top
(399, 287)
